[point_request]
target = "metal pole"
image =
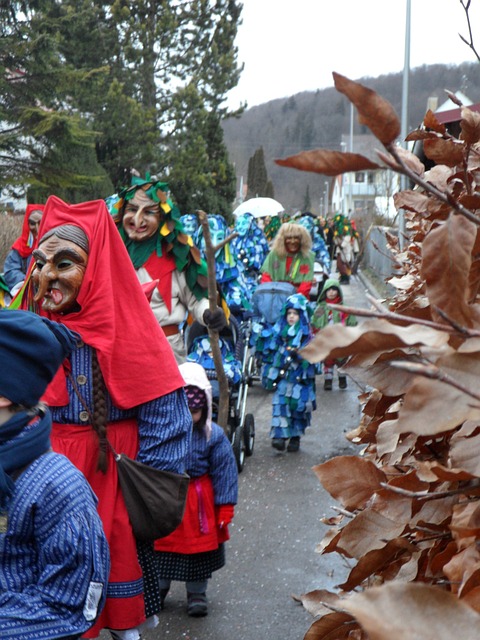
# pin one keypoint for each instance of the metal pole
(404, 120)
(352, 175)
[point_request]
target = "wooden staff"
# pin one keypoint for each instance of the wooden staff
(210, 251)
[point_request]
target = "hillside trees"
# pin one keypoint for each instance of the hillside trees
(408, 520)
(124, 67)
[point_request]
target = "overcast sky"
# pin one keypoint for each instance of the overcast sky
(293, 46)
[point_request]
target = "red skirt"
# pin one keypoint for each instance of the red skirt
(198, 530)
(124, 608)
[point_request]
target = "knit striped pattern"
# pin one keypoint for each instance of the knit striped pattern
(52, 552)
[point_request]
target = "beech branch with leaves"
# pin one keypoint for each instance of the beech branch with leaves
(409, 506)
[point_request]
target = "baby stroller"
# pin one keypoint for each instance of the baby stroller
(241, 425)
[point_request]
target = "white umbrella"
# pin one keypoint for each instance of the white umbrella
(260, 207)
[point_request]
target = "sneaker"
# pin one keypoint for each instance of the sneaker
(197, 605)
(327, 385)
(342, 382)
(163, 595)
(279, 443)
(294, 444)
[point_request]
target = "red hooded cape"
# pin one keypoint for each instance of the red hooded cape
(136, 360)
(21, 243)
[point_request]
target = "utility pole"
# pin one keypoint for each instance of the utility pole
(404, 119)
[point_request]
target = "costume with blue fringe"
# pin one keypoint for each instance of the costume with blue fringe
(290, 376)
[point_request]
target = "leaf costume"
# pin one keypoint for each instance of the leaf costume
(229, 271)
(251, 249)
(170, 257)
(290, 376)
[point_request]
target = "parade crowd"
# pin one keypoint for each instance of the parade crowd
(106, 346)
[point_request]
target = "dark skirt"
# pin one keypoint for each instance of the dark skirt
(193, 567)
(151, 586)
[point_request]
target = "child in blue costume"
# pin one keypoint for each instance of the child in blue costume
(290, 376)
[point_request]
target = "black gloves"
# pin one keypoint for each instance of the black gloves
(215, 320)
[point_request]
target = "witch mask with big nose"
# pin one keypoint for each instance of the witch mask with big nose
(60, 262)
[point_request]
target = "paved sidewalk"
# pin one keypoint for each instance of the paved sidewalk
(277, 526)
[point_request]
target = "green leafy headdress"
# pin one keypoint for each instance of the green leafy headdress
(170, 238)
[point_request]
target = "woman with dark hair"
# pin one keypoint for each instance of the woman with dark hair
(120, 387)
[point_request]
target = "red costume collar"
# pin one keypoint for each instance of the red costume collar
(21, 244)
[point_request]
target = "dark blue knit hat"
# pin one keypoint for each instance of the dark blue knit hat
(31, 350)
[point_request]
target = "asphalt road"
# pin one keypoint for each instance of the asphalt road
(277, 526)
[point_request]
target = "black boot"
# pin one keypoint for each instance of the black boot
(342, 382)
(327, 385)
(294, 444)
(279, 443)
(197, 605)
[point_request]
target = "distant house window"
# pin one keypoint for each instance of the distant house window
(360, 176)
(371, 177)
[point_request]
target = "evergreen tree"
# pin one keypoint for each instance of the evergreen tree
(307, 202)
(36, 109)
(122, 68)
(257, 179)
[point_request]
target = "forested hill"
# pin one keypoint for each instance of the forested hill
(317, 119)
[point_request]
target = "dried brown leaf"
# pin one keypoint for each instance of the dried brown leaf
(350, 480)
(438, 176)
(329, 542)
(370, 336)
(326, 162)
(445, 152)
(465, 454)
(433, 512)
(446, 260)
(314, 601)
(369, 530)
(373, 111)
(335, 626)
(411, 161)
(472, 598)
(398, 611)
(462, 566)
(470, 125)
(432, 407)
(391, 382)
(430, 122)
(471, 202)
(373, 562)
(466, 520)
(411, 201)
(421, 134)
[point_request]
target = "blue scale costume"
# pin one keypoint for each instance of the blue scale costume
(250, 246)
(290, 376)
(319, 246)
(229, 270)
